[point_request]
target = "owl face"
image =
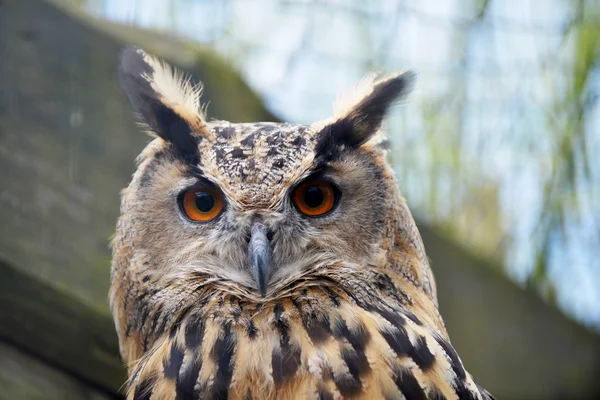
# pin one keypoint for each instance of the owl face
(258, 205)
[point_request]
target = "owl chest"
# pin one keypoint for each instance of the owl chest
(289, 350)
(305, 347)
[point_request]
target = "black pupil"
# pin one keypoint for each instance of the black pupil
(205, 201)
(313, 197)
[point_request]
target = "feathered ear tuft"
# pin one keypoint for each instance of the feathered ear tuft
(166, 101)
(356, 124)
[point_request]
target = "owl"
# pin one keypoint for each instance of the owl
(273, 260)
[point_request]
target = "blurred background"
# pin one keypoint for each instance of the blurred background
(495, 152)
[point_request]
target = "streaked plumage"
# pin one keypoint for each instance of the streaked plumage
(349, 308)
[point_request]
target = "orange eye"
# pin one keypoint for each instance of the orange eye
(315, 198)
(202, 204)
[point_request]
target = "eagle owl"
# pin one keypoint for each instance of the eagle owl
(273, 260)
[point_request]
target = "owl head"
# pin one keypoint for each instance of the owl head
(255, 208)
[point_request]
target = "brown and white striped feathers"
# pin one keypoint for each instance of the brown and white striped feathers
(272, 261)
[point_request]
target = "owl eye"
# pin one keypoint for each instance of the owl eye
(202, 204)
(315, 198)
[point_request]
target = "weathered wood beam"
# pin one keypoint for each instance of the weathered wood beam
(25, 377)
(59, 329)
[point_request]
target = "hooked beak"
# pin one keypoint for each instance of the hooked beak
(259, 256)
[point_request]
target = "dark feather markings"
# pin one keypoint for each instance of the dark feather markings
(327, 148)
(421, 354)
(464, 393)
(145, 311)
(225, 132)
(393, 317)
(183, 142)
(285, 361)
(398, 340)
(355, 359)
(346, 384)
(436, 395)
(222, 354)
(413, 318)
(251, 329)
(358, 337)
(332, 296)
(194, 333)
(383, 281)
(357, 364)
(237, 152)
(143, 391)
(459, 384)
(318, 329)
(172, 364)
(189, 372)
(408, 385)
(317, 326)
(188, 375)
(128, 328)
(158, 313)
(145, 333)
(457, 366)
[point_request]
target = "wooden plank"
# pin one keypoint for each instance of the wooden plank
(58, 328)
(25, 378)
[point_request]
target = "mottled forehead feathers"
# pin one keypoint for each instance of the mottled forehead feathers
(251, 153)
(257, 162)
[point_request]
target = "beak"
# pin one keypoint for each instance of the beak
(259, 256)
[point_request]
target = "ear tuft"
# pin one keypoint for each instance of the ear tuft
(357, 123)
(166, 101)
